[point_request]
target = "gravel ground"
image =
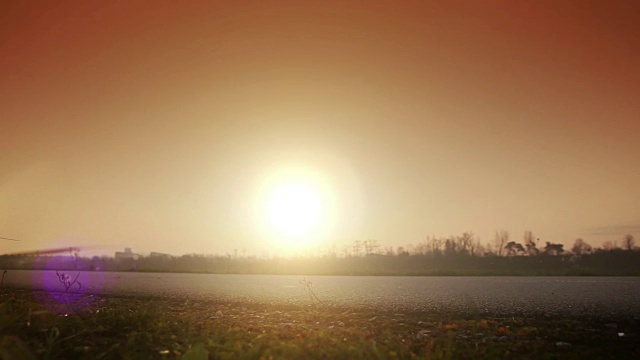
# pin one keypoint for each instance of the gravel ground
(503, 296)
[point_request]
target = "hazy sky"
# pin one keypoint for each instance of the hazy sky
(154, 124)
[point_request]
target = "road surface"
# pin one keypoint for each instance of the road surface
(528, 296)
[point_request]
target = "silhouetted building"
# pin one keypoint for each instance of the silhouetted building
(154, 254)
(126, 255)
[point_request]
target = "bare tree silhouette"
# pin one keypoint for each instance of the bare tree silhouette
(628, 241)
(580, 247)
(531, 243)
(500, 240)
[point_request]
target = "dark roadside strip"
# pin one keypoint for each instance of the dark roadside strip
(41, 325)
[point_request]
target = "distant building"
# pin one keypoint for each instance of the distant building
(154, 254)
(126, 255)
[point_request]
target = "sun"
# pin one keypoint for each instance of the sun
(295, 209)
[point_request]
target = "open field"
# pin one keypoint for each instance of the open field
(46, 325)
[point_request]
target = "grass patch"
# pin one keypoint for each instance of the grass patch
(37, 325)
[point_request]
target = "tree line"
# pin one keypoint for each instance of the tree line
(454, 255)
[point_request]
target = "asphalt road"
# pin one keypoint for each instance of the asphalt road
(529, 296)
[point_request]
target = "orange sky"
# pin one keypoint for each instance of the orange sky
(150, 124)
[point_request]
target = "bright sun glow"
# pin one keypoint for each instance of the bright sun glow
(296, 209)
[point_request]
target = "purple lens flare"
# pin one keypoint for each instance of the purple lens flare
(66, 280)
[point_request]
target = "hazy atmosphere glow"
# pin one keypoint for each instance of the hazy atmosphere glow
(286, 126)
